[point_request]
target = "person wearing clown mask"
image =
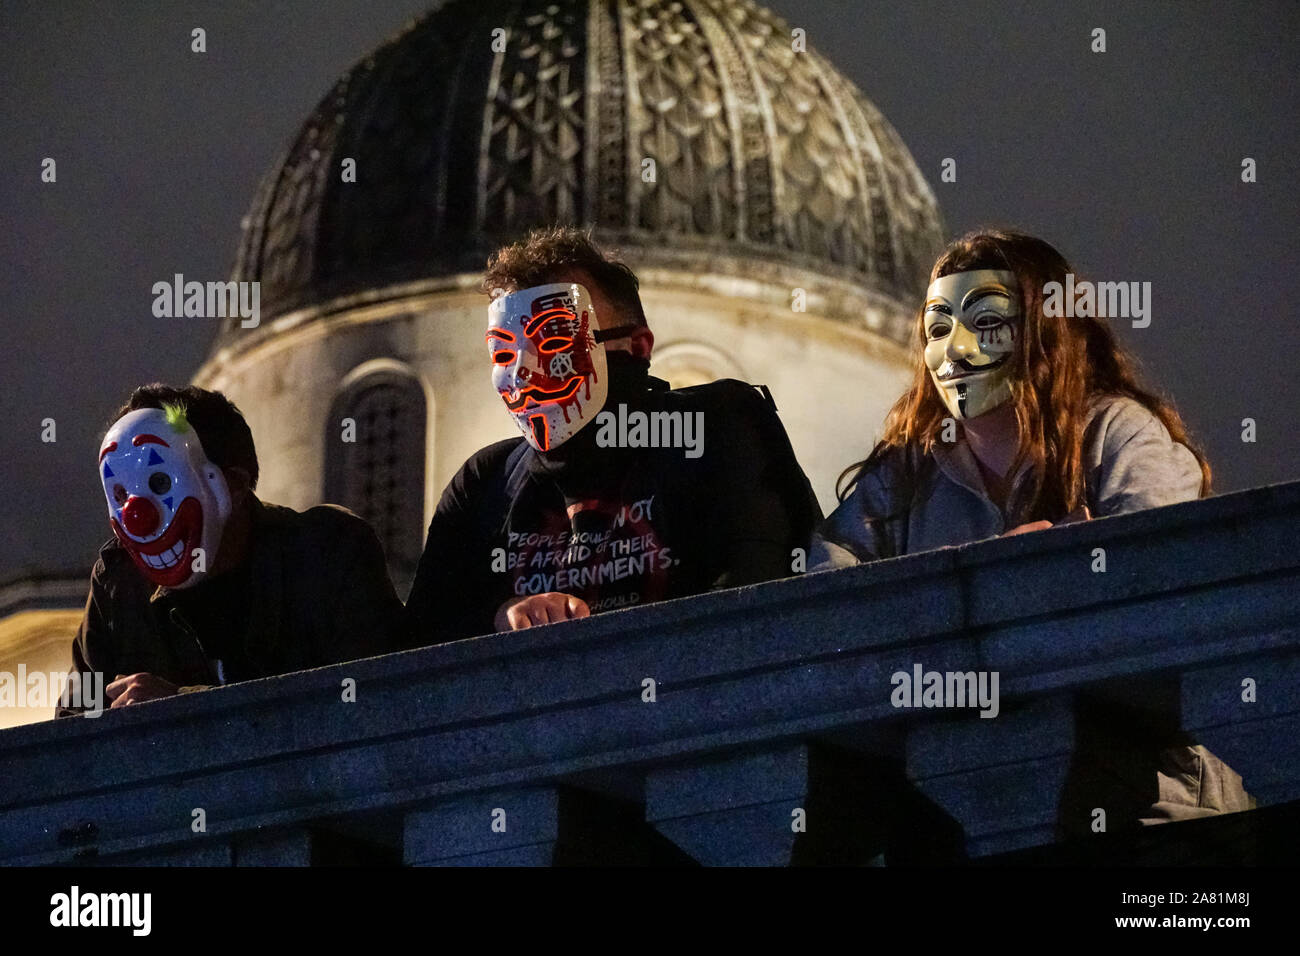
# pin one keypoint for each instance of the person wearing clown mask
(564, 521)
(1016, 421)
(203, 584)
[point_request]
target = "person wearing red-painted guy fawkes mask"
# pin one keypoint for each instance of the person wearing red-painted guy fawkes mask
(204, 584)
(575, 516)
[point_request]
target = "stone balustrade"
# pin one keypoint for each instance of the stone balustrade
(749, 726)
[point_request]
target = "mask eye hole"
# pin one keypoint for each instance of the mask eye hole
(938, 330)
(556, 343)
(988, 320)
(160, 483)
(119, 494)
(503, 357)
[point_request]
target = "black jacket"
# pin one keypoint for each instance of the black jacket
(318, 593)
(617, 526)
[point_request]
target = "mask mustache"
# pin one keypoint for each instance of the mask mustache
(962, 367)
(541, 395)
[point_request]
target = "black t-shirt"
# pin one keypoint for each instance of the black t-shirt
(600, 541)
(617, 526)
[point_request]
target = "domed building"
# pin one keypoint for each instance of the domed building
(780, 229)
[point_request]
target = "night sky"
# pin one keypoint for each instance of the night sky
(1128, 161)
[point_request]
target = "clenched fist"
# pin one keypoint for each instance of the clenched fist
(519, 613)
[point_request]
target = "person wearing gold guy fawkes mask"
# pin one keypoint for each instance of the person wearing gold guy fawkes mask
(619, 490)
(1017, 420)
(203, 584)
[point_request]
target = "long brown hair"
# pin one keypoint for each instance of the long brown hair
(1065, 361)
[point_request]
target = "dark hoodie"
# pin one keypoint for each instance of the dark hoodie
(617, 526)
(313, 590)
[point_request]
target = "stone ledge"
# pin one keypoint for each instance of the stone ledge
(1191, 591)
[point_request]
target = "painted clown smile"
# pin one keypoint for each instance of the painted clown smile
(164, 558)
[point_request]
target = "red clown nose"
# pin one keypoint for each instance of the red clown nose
(140, 517)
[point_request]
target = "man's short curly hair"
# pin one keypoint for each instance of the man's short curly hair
(225, 436)
(546, 253)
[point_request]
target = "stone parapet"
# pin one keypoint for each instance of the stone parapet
(770, 736)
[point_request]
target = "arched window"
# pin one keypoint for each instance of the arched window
(684, 363)
(375, 459)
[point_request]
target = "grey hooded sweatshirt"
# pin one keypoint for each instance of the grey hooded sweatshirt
(1131, 463)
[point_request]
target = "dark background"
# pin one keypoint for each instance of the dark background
(1128, 161)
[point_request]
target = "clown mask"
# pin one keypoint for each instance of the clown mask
(165, 499)
(547, 361)
(972, 320)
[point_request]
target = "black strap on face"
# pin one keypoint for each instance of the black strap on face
(617, 332)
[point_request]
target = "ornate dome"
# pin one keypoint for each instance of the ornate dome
(759, 152)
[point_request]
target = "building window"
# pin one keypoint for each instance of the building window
(685, 363)
(379, 472)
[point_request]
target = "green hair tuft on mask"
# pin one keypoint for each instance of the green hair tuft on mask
(176, 416)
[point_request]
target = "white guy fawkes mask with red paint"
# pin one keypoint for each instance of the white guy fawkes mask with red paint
(165, 499)
(547, 361)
